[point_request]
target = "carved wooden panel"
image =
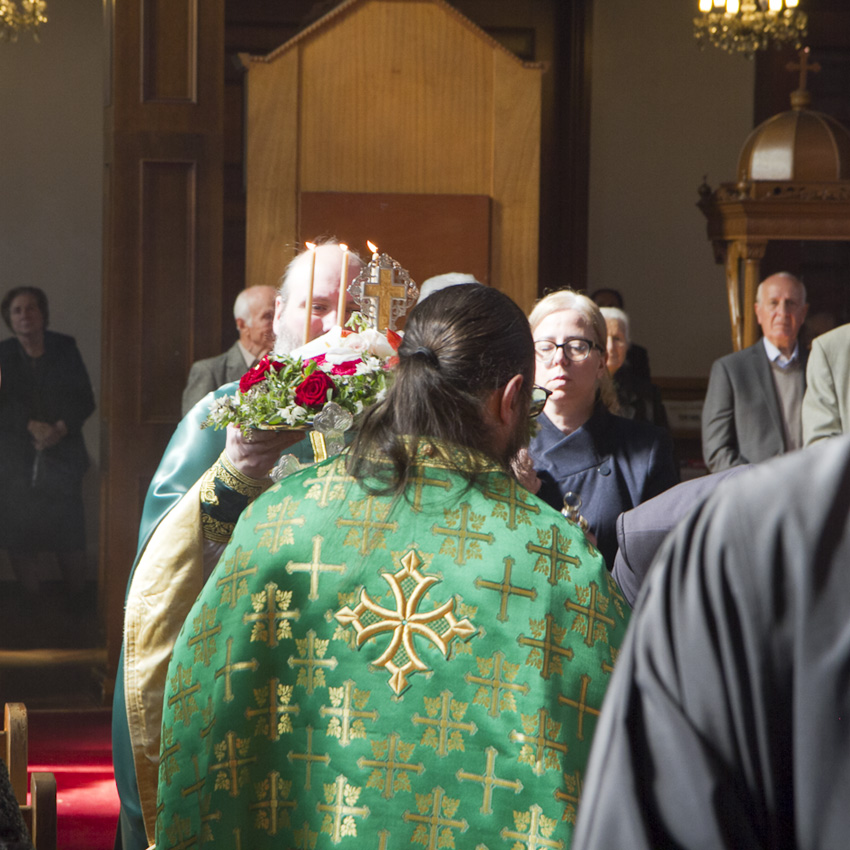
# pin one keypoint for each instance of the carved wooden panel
(170, 50)
(162, 251)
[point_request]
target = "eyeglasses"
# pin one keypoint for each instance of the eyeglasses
(575, 348)
(539, 397)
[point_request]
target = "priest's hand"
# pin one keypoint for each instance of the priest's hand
(257, 452)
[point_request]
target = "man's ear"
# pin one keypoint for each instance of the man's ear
(510, 399)
(240, 324)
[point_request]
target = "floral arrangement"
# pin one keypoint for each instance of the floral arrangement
(337, 375)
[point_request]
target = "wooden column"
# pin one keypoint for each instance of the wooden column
(162, 250)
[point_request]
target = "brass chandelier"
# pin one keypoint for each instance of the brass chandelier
(745, 26)
(28, 18)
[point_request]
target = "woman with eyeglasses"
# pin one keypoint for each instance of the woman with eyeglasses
(582, 449)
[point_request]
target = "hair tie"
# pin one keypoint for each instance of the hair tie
(428, 355)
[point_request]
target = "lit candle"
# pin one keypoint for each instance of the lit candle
(374, 249)
(343, 286)
(308, 320)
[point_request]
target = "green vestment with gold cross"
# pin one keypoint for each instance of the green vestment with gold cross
(384, 672)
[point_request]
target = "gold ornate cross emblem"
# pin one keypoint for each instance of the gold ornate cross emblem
(409, 587)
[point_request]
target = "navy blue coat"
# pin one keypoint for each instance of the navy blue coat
(613, 463)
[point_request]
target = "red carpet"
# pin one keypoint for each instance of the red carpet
(76, 747)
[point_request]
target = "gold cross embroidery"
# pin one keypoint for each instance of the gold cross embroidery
(341, 798)
(233, 755)
(506, 589)
(183, 700)
(309, 757)
(497, 702)
(438, 719)
(327, 486)
(490, 781)
(204, 802)
(580, 705)
(274, 712)
(539, 828)
(271, 615)
(305, 837)
(314, 567)
(384, 771)
(558, 566)
(311, 662)
(409, 587)
(462, 536)
(230, 668)
(278, 530)
(270, 811)
(438, 824)
(571, 795)
(591, 611)
(420, 480)
(203, 640)
(180, 836)
(547, 652)
(372, 530)
(539, 751)
(235, 581)
(513, 504)
(343, 713)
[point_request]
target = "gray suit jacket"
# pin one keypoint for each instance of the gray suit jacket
(825, 404)
(742, 417)
(642, 530)
(208, 375)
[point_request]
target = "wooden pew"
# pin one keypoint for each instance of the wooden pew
(40, 813)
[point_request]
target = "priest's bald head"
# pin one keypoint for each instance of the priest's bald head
(290, 319)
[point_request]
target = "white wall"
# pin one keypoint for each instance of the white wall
(51, 165)
(663, 115)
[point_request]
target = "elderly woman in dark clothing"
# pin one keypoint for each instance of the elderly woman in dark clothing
(637, 396)
(45, 396)
(611, 463)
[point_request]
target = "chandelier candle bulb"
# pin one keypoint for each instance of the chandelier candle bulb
(308, 307)
(343, 286)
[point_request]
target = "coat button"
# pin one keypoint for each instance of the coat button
(604, 469)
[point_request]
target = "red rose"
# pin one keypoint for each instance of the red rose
(258, 373)
(313, 390)
(347, 368)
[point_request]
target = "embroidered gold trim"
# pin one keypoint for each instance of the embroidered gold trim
(230, 476)
(215, 530)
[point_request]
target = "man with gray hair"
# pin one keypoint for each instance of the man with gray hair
(253, 312)
(752, 405)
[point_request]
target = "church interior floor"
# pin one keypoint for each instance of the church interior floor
(51, 650)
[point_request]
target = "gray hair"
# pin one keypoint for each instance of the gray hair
(285, 282)
(615, 314)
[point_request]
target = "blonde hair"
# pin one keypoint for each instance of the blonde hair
(569, 299)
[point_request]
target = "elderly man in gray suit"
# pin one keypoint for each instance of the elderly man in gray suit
(752, 406)
(253, 311)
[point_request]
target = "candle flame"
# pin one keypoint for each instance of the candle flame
(311, 245)
(343, 247)
(372, 247)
